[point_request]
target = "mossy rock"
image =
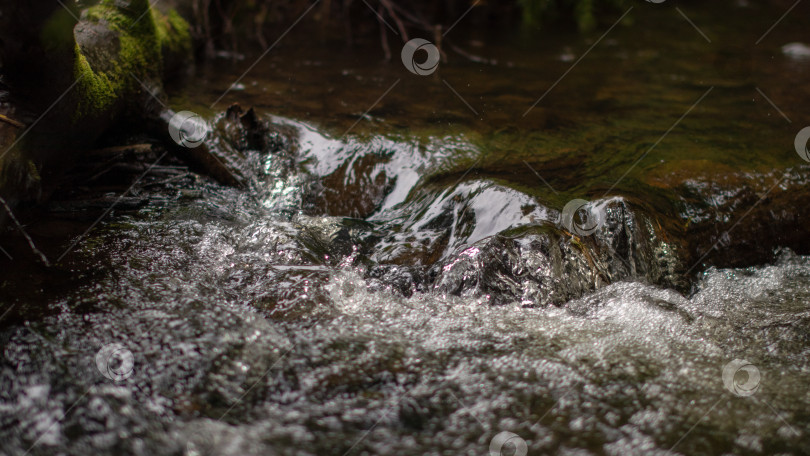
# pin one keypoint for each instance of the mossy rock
(122, 51)
(84, 75)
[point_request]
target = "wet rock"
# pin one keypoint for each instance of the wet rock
(331, 239)
(99, 44)
(404, 280)
(727, 217)
(741, 220)
(356, 188)
(549, 266)
(233, 146)
(247, 131)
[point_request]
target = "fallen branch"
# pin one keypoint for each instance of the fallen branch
(11, 121)
(24, 233)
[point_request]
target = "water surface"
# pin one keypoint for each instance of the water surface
(399, 282)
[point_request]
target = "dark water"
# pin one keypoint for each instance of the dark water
(400, 280)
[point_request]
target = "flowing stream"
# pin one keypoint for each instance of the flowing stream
(398, 277)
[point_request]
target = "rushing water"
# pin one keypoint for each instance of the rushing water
(408, 287)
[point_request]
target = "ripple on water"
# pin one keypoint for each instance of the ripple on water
(628, 369)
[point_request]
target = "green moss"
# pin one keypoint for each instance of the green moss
(96, 91)
(33, 172)
(173, 33)
(146, 38)
(136, 22)
(135, 18)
